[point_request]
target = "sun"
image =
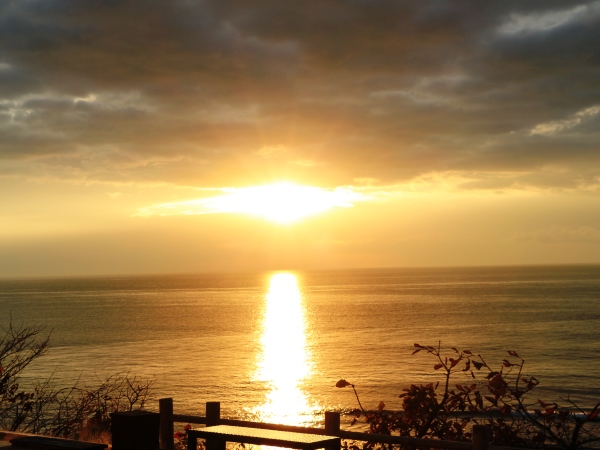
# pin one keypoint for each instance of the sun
(282, 202)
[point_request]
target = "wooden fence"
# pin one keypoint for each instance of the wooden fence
(332, 428)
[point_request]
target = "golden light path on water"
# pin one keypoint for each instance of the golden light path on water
(285, 361)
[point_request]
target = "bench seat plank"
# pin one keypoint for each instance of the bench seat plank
(258, 436)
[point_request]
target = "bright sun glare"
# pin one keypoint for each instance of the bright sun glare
(282, 202)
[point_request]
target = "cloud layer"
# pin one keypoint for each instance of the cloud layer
(224, 93)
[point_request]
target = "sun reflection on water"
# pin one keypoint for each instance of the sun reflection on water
(285, 361)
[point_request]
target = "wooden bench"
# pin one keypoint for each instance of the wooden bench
(216, 437)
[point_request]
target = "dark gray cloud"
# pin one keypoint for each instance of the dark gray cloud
(192, 91)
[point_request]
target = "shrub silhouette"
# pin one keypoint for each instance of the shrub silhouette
(81, 411)
(498, 398)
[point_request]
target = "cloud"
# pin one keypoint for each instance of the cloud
(271, 150)
(557, 126)
(544, 21)
(305, 162)
(222, 93)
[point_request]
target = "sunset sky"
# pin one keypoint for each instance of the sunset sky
(143, 136)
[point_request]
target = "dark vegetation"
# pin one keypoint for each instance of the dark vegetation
(501, 398)
(81, 411)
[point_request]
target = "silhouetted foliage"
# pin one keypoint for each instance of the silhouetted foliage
(498, 398)
(78, 412)
(19, 346)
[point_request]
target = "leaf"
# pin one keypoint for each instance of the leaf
(381, 406)
(477, 365)
(342, 383)
(419, 348)
(511, 353)
(438, 366)
(492, 400)
(492, 375)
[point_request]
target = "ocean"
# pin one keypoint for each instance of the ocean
(271, 346)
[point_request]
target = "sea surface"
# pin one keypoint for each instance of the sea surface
(271, 346)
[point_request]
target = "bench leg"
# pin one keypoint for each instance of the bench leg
(215, 444)
(192, 442)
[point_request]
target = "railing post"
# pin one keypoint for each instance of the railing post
(213, 417)
(480, 437)
(332, 426)
(213, 413)
(165, 407)
(135, 430)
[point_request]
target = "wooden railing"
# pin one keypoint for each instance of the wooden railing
(332, 427)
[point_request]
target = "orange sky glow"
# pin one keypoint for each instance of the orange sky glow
(222, 136)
